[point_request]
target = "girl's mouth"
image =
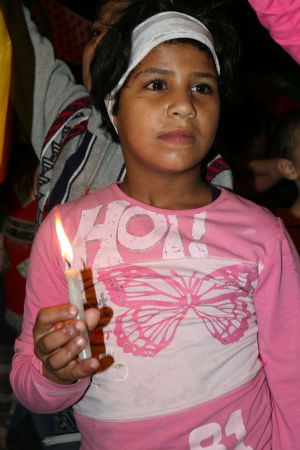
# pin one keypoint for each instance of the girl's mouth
(180, 136)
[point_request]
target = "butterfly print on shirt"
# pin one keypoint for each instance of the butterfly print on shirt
(157, 304)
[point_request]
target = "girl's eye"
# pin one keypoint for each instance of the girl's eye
(203, 88)
(156, 85)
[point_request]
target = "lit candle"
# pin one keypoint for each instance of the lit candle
(72, 277)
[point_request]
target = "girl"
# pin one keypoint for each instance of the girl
(204, 285)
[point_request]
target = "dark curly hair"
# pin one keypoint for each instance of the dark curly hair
(112, 55)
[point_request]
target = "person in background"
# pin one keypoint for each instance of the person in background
(18, 207)
(203, 285)
(282, 19)
(285, 148)
(54, 87)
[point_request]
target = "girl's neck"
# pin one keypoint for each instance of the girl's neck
(171, 193)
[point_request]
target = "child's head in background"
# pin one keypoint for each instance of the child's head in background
(286, 144)
(108, 14)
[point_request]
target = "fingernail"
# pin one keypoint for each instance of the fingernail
(95, 364)
(80, 326)
(79, 341)
(72, 310)
(69, 330)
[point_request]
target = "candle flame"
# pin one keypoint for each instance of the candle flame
(65, 246)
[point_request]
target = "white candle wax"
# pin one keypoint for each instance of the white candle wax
(72, 277)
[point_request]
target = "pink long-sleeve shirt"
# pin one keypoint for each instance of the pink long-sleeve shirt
(282, 19)
(205, 333)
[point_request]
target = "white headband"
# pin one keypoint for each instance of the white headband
(160, 28)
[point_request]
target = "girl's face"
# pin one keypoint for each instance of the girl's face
(169, 110)
(108, 15)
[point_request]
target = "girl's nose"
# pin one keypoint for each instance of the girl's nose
(181, 105)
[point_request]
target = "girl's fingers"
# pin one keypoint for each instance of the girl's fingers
(92, 317)
(74, 371)
(59, 336)
(84, 369)
(65, 354)
(48, 317)
(59, 339)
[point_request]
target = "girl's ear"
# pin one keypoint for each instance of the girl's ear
(287, 169)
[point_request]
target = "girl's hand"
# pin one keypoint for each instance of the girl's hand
(58, 339)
